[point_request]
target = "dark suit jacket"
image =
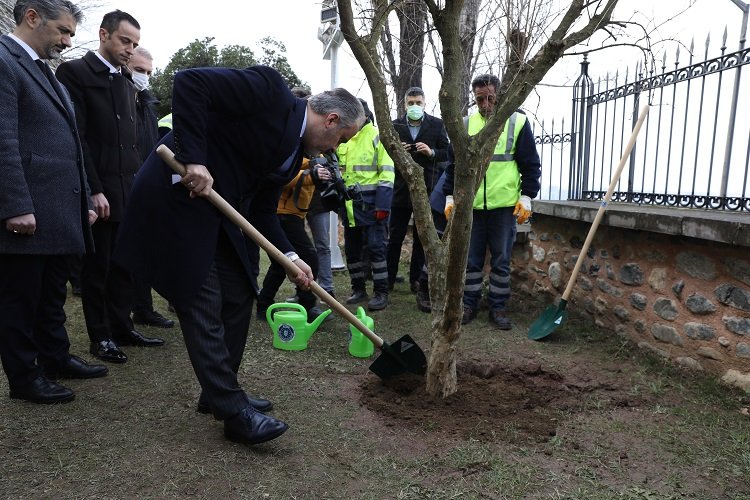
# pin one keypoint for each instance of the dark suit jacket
(242, 125)
(432, 132)
(106, 114)
(40, 159)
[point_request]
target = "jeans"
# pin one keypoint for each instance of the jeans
(495, 229)
(320, 228)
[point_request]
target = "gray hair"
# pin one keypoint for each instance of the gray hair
(48, 10)
(143, 52)
(339, 101)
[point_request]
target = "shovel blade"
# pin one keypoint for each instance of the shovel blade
(549, 321)
(402, 356)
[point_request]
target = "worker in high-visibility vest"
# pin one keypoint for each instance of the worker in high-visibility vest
(165, 125)
(502, 199)
(364, 162)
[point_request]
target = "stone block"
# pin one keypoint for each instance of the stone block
(631, 274)
(733, 296)
(696, 265)
(700, 305)
(699, 331)
(740, 326)
(737, 379)
(689, 363)
(710, 353)
(666, 308)
(666, 334)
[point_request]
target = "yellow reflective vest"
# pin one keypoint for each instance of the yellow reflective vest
(363, 160)
(501, 186)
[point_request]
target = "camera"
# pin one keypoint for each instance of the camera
(333, 192)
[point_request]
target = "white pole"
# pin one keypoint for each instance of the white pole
(337, 262)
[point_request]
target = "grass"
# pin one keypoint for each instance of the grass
(136, 433)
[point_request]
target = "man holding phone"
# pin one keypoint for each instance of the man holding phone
(425, 138)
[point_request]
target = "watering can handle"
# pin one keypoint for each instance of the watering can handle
(233, 215)
(284, 305)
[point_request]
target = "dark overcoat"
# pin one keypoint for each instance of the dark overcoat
(432, 132)
(41, 161)
(243, 125)
(105, 108)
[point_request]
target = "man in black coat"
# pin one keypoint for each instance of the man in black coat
(425, 138)
(244, 133)
(44, 204)
(104, 100)
(141, 65)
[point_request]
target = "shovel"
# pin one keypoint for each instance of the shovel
(553, 317)
(403, 356)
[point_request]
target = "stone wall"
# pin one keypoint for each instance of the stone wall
(683, 298)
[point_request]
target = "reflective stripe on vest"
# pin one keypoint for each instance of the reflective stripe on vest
(501, 185)
(166, 122)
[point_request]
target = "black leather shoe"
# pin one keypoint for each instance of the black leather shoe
(262, 405)
(43, 391)
(252, 427)
(106, 350)
(468, 315)
(152, 318)
(76, 367)
(357, 296)
(134, 337)
(500, 319)
(378, 301)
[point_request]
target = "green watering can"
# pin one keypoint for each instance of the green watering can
(359, 345)
(291, 331)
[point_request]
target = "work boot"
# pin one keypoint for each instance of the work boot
(499, 318)
(378, 301)
(423, 301)
(358, 295)
(468, 316)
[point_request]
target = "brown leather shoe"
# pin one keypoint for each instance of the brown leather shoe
(500, 319)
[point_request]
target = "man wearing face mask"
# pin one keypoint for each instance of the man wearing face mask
(105, 108)
(141, 65)
(425, 138)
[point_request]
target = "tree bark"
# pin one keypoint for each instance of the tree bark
(446, 257)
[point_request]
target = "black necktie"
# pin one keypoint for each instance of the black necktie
(47, 72)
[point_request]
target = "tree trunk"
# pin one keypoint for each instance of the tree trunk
(446, 257)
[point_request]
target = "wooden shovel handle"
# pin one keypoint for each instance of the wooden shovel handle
(290, 267)
(603, 205)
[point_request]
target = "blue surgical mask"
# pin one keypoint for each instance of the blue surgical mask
(415, 112)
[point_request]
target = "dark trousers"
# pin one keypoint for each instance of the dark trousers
(294, 227)
(495, 229)
(32, 319)
(399, 224)
(106, 288)
(376, 246)
(143, 302)
(440, 223)
(215, 326)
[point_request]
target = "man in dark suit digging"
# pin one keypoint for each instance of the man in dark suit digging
(242, 132)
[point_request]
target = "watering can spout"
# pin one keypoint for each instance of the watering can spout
(312, 327)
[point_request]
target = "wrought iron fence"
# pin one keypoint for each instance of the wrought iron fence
(693, 151)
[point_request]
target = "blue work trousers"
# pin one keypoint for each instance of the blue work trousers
(495, 229)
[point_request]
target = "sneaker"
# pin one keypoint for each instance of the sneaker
(500, 319)
(468, 316)
(357, 296)
(152, 318)
(294, 299)
(378, 301)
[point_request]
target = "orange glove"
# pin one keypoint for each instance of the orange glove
(523, 209)
(448, 211)
(381, 215)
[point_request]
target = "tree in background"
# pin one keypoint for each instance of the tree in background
(204, 53)
(526, 39)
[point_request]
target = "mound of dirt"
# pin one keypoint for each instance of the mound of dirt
(493, 402)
